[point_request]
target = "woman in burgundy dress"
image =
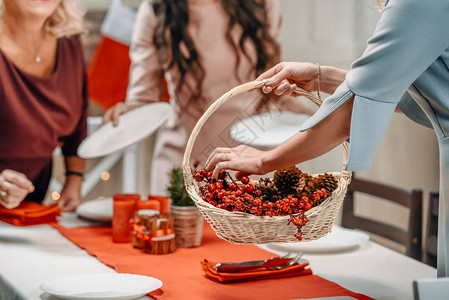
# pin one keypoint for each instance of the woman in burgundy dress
(43, 98)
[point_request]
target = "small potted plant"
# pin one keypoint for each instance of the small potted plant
(188, 220)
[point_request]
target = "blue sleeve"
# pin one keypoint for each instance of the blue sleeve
(412, 110)
(409, 37)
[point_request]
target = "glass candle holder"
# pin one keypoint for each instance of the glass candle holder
(122, 218)
(164, 203)
(149, 204)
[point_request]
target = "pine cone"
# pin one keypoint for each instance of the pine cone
(327, 182)
(287, 181)
(302, 183)
(268, 189)
(311, 186)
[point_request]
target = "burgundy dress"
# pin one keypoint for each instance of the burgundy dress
(38, 114)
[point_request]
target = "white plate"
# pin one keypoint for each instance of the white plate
(338, 239)
(97, 210)
(104, 286)
(268, 129)
(133, 126)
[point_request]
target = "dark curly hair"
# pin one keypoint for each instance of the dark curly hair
(171, 35)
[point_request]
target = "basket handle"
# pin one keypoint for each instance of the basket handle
(235, 91)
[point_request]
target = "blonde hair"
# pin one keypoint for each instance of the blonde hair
(67, 19)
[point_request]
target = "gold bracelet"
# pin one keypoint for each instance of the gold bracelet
(318, 75)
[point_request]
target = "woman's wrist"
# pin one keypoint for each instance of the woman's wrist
(267, 161)
(331, 78)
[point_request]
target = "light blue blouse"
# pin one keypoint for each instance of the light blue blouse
(406, 63)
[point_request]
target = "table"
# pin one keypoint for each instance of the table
(370, 269)
(32, 255)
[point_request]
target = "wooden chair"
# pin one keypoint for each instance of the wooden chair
(410, 238)
(431, 236)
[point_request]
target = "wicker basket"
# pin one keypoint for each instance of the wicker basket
(244, 228)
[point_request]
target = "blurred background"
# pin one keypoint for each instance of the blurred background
(326, 31)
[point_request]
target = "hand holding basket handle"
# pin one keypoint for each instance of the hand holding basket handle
(244, 228)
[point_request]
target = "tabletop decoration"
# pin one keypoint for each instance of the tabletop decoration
(124, 206)
(291, 192)
(248, 228)
(153, 232)
(188, 219)
(182, 274)
(253, 274)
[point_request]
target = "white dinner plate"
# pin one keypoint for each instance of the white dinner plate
(97, 210)
(133, 126)
(268, 129)
(338, 239)
(104, 286)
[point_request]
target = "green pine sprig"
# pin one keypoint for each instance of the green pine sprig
(177, 189)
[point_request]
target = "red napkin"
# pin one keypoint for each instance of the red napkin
(254, 274)
(29, 213)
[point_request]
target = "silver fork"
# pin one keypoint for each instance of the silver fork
(246, 264)
(290, 263)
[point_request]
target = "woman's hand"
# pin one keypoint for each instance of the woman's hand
(71, 194)
(283, 78)
(14, 187)
(243, 159)
(113, 113)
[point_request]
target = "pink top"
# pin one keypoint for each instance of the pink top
(207, 28)
(38, 114)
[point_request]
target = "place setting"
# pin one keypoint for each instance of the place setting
(133, 126)
(339, 240)
(101, 286)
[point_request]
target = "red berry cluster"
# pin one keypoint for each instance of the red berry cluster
(244, 197)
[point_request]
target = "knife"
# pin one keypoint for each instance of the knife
(235, 267)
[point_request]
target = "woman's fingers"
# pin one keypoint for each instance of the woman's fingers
(18, 179)
(239, 175)
(226, 165)
(116, 114)
(106, 116)
(14, 178)
(217, 151)
(217, 158)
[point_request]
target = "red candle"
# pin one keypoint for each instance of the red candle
(123, 213)
(149, 204)
(164, 203)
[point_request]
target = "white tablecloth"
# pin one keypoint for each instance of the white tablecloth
(30, 256)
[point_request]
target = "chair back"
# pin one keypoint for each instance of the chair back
(410, 237)
(431, 236)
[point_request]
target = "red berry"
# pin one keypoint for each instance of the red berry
(209, 196)
(203, 172)
(211, 188)
(233, 186)
(244, 180)
(219, 185)
(249, 188)
(198, 177)
(209, 174)
(258, 193)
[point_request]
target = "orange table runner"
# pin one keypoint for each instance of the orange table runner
(183, 277)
